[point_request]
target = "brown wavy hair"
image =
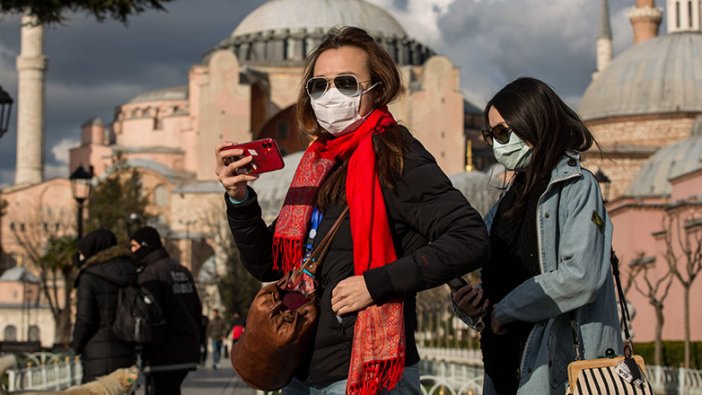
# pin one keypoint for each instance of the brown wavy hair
(384, 72)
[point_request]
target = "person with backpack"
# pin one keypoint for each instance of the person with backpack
(167, 362)
(104, 268)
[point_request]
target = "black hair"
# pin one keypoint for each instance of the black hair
(538, 115)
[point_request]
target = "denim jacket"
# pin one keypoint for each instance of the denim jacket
(574, 242)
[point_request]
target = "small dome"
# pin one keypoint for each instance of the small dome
(478, 188)
(662, 75)
(172, 93)
(319, 14)
(273, 187)
(669, 162)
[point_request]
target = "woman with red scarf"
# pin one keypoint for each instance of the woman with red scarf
(407, 229)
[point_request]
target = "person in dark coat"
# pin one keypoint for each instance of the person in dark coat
(169, 360)
(104, 268)
(407, 229)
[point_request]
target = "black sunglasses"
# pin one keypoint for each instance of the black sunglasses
(500, 132)
(347, 84)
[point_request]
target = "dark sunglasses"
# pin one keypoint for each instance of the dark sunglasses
(347, 84)
(500, 132)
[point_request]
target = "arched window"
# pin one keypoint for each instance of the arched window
(161, 196)
(34, 333)
(10, 333)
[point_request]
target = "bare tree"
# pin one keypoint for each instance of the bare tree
(236, 286)
(682, 235)
(655, 291)
(41, 235)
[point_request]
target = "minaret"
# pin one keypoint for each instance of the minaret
(604, 39)
(684, 16)
(31, 66)
(645, 19)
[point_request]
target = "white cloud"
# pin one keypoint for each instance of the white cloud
(495, 41)
(60, 150)
(419, 17)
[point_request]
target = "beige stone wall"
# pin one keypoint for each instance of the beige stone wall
(649, 131)
(620, 170)
(223, 109)
(22, 319)
(36, 213)
(436, 114)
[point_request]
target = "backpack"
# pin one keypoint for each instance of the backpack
(138, 316)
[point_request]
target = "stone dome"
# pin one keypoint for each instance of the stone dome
(311, 15)
(669, 162)
(283, 32)
(662, 75)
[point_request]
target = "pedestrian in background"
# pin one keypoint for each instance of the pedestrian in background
(104, 268)
(216, 331)
(168, 361)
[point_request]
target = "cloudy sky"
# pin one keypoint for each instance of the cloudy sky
(94, 67)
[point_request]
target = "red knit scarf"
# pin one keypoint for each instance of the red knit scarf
(378, 352)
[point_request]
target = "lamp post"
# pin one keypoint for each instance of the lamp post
(5, 108)
(604, 183)
(80, 188)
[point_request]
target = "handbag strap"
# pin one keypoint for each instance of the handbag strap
(310, 264)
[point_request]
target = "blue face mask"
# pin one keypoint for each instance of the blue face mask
(513, 155)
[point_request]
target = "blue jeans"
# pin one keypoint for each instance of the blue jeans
(408, 385)
(216, 351)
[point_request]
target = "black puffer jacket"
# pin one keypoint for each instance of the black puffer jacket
(173, 286)
(437, 235)
(98, 284)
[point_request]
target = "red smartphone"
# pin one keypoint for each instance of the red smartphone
(265, 152)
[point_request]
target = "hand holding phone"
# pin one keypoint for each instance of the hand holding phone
(470, 299)
(265, 155)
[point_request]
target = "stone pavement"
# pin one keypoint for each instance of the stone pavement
(207, 381)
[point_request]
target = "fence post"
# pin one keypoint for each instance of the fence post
(11, 377)
(681, 380)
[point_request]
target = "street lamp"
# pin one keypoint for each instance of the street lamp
(604, 183)
(80, 188)
(5, 108)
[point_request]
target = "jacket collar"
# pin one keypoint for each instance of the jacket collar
(568, 167)
(107, 255)
(154, 256)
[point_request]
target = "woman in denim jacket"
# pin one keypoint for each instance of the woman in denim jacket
(550, 247)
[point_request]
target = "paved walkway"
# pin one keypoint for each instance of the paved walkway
(207, 381)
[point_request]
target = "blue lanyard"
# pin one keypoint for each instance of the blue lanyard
(314, 225)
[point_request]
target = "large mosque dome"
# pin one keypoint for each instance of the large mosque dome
(663, 75)
(319, 14)
(669, 162)
(283, 32)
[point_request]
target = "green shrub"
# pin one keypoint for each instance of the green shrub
(673, 353)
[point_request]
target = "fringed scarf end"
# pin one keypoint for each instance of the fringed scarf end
(378, 375)
(287, 254)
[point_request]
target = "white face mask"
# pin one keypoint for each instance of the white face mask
(337, 113)
(514, 155)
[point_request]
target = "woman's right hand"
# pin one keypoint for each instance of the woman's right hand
(230, 177)
(470, 301)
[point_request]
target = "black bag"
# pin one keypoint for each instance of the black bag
(138, 316)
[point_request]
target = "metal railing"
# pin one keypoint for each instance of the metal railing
(45, 371)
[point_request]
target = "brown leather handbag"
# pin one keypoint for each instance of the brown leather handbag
(280, 324)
